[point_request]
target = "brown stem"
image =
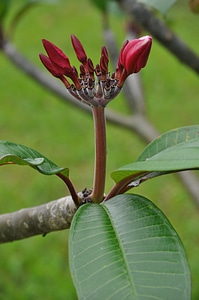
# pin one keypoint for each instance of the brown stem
(100, 154)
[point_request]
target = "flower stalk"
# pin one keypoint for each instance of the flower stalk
(100, 154)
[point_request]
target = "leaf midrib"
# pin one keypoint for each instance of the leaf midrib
(121, 248)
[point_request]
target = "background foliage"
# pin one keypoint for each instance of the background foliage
(38, 267)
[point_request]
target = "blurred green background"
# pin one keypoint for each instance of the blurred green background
(37, 268)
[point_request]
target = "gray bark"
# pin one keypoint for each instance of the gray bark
(38, 220)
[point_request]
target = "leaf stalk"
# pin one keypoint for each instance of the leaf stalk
(70, 187)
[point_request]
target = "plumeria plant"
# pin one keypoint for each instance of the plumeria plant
(121, 246)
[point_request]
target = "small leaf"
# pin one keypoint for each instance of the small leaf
(161, 5)
(175, 150)
(126, 248)
(101, 4)
(11, 153)
(4, 7)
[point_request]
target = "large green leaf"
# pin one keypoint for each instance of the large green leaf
(11, 153)
(175, 150)
(126, 248)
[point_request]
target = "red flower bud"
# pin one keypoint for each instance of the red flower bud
(104, 53)
(104, 60)
(53, 70)
(135, 54)
(96, 92)
(133, 57)
(57, 57)
(49, 66)
(103, 65)
(79, 50)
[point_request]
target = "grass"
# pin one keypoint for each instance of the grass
(36, 268)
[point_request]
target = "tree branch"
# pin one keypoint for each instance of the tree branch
(42, 219)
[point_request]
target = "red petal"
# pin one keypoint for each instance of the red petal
(120, 60)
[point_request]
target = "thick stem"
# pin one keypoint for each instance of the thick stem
(100, 154)
(42, 219)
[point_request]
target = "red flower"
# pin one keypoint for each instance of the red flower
(133, 57)
(94, 85)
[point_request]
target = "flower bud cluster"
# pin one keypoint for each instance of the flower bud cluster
(93, 84)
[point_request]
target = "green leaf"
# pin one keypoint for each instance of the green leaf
(161, 5)
(11, 153)
(169, 139)
(100, 4)
(126, 248)
(4, 7)
(175, 150)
